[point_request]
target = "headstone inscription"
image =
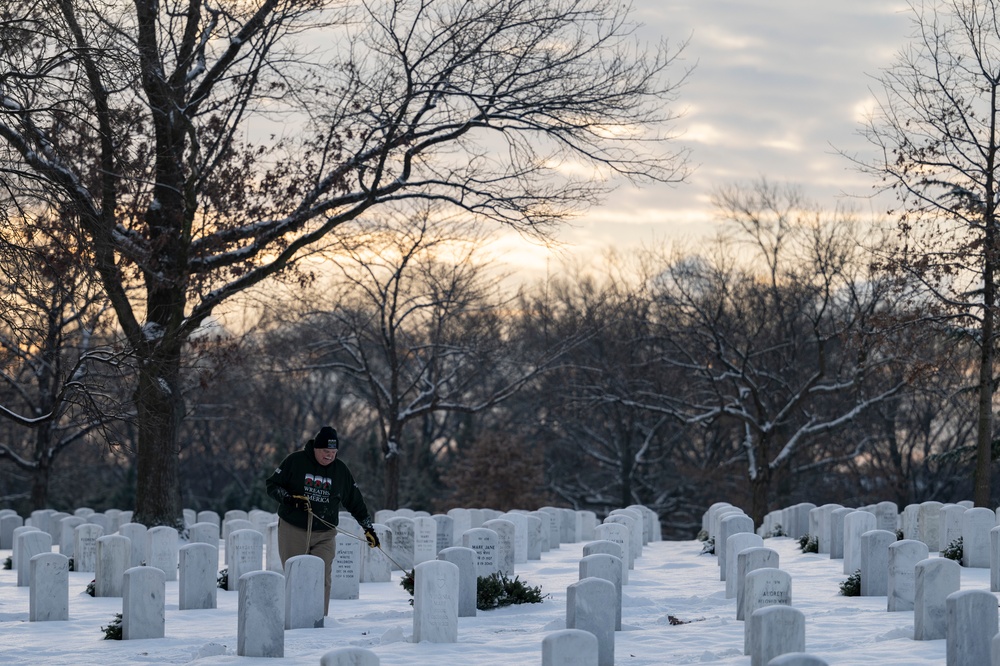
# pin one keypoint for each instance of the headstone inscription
(345, 577)
(749, 560)
(402, 541)
(85, 546)
(245, 553)
(505, 544)
(425, 540)
(484, 542)
(763, 588)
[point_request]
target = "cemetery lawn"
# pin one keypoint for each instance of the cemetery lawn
(675, 611)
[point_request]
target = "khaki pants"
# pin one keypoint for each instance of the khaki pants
(323, 544)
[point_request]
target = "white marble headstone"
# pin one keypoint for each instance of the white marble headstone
(197, 576)
(590, 606)
(48, 598)
(903, 558)
(260, 619)
(143, 595)
(972, 623)
(936, 578)
(435, 602)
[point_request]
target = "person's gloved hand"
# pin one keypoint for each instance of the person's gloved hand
(297, 502)
(370, 534)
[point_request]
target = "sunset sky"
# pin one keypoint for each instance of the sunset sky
(778, 87)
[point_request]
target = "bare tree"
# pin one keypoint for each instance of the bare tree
(418, 323)
(58, 378)
(497, 469)
(778, 344)
(922, 440)
(601, 453)
(131, 115)
(937, 132)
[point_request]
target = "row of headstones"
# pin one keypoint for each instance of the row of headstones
(269, 602)
(593, 611)
(520, 536)
(594, 602)
(445, 589)
(624, 532)
(493, 544)
(110, 555)
(936, 524)
(901, 570)
(862, 536)
(753, 577)
(415, 541)
(431, 533)
(838, 529)
(110, 521)
(62, 528)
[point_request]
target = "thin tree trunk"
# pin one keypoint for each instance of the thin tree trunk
(40, 484)
(391, 481)
(760, 495)
(984, 424)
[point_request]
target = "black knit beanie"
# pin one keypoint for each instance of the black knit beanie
(326, 438)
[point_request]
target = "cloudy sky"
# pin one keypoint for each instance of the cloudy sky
(778, 87)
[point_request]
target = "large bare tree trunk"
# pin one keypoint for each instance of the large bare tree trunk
(160, 408)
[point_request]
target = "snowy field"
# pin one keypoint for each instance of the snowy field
(671, 580)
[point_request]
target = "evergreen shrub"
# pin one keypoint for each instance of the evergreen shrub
(852, 586)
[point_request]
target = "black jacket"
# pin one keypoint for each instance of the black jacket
(327, 487)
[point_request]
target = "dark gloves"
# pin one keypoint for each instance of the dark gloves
(370, 535)
(297, 502)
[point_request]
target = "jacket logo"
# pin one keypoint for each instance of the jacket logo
(318, 482)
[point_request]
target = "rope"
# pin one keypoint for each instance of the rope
(353, 536)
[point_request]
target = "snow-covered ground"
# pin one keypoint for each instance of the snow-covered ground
(671, 580)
